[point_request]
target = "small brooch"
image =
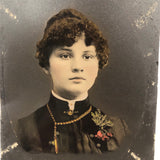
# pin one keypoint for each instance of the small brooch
(102, 121)
(70, 112)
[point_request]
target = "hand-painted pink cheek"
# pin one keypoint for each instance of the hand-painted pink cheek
(56, 69)
(92, 71)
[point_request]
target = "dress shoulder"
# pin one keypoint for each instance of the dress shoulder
(27, 133)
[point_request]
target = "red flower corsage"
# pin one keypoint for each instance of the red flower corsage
(103, 136)
(102, 121)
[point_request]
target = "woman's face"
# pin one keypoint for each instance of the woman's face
(73, 69)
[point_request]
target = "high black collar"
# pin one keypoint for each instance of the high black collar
(60, 108)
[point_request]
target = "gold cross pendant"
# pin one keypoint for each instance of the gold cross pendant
(55, 144)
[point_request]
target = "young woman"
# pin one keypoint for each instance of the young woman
(71, 52)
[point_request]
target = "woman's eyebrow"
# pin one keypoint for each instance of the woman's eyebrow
(64, 49)
(88, 51)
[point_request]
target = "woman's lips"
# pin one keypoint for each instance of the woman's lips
(77, 78)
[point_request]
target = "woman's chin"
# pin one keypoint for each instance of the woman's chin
(72, 94)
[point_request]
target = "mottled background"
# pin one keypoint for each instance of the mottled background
(126, 88)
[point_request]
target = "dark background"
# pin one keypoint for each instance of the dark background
(126, 88)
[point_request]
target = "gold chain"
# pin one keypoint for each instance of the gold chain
(64, 123)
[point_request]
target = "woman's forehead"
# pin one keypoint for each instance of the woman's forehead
(78, 46)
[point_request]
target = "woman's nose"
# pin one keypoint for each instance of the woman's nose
(77, 66)
(77, 70)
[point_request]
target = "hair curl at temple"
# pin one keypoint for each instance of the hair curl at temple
(64, 29)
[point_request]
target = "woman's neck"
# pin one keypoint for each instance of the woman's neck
(76, 98)
(71, 103)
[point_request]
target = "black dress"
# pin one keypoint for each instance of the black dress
(94, 133)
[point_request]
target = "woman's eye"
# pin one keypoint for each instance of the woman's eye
(65, 56)
(88, 57)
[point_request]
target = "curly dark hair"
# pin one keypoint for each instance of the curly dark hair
(63, 29)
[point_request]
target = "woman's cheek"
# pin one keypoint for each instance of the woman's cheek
(92, 73)
(55, 70)
(93, 69)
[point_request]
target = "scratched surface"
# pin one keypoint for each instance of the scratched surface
(126, 88)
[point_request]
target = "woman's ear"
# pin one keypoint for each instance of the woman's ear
(46, 71)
